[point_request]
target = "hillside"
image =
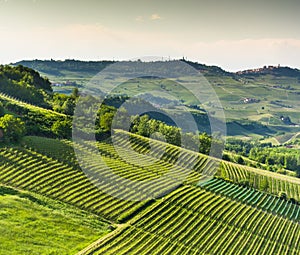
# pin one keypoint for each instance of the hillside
(263, 125)
(212, 216)
(278, 71)
(130, 194)
(264, 97)
(25, 84)
(61, 68)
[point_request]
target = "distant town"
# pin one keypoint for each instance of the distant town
(259, 70)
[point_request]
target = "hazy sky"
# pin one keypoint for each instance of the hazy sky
(233, 34)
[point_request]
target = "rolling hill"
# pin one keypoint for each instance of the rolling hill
(129, 194)
(264, 96)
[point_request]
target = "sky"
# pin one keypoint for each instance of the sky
(232, 34)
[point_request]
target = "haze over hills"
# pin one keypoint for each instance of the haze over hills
(259, 103)
(57, 67)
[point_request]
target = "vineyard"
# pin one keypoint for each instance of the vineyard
(193, 221)
(255, 198)
(185, 213)
(33, 108)
(32, 171)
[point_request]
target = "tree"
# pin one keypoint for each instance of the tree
(12, 128)
(75, 93)
(121, 118)
(240, 160)
(1, 109)
(226, 157)
(283, 195)
(291, 162)
(171, 134)
(62, 128)
(205, 143)
(270, 161)
(106, 121)
(143, 126)
(68, 106)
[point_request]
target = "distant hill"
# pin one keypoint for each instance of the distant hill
(208, 70)
(59, 67)
(53, 67)
(271, 70)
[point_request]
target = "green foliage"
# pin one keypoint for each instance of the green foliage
(240, 160)
(277, 157)
(134, 211)
(261, 180)
(106, 121)
(264, 185)
(199, 222)
(12, 128)
(52, 177)
(65, 104)
(38, 121)
(31, 169)
(62, 128)
(205, 143)
(187, 207)
(25, 84)
(59, 149)
(226, 157)
(254, 197)
(2, 111)
(143, 125)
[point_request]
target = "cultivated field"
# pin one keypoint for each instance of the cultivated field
(216, 216)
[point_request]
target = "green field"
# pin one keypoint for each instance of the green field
(214, 217)
(33, 224)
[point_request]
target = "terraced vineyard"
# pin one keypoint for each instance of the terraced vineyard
(261, 179)
(191, 220)
(32, 171)
(255, 198)
(30, 107)
(271, 182)
(211, 217)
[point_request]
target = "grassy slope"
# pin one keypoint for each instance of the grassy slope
(32, 224)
